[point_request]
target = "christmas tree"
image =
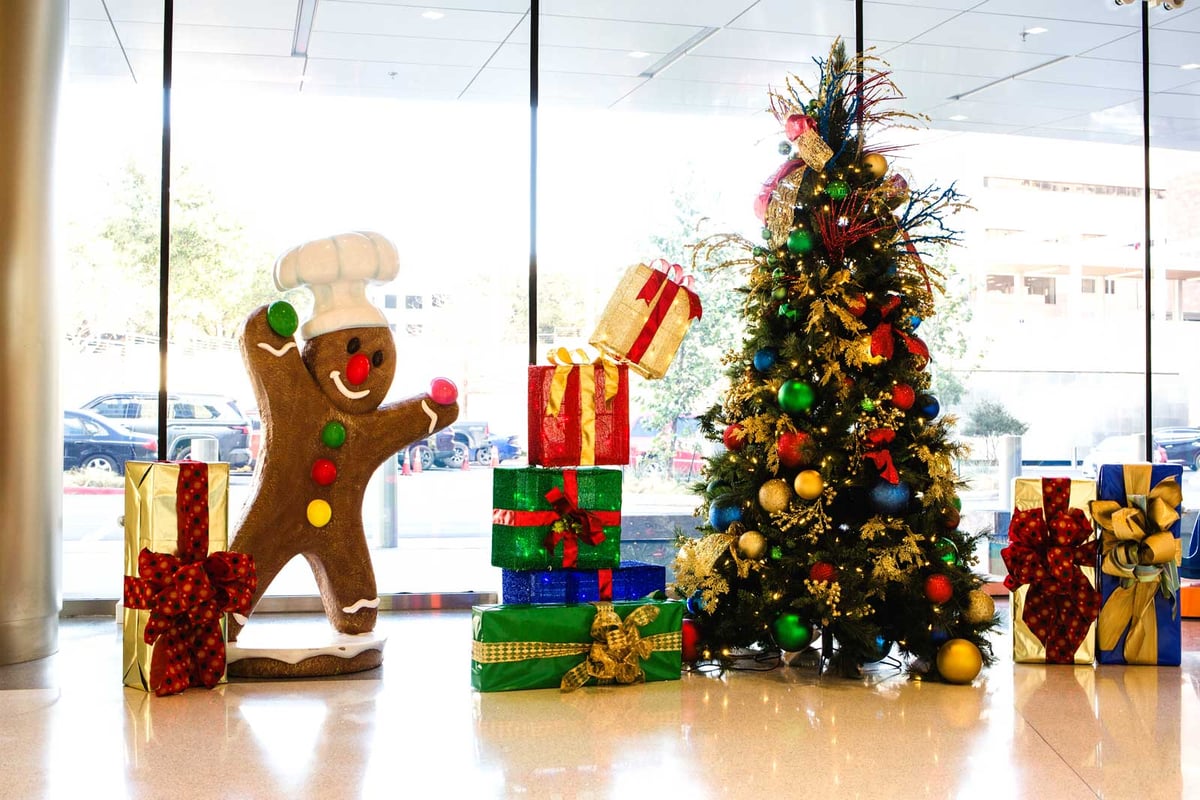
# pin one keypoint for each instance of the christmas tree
(834, 510)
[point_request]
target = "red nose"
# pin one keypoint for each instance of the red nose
(357, 369)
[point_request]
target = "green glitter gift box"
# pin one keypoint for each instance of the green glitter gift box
(548, 518)
(547, 646)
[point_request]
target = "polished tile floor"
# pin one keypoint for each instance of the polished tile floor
(415, 729)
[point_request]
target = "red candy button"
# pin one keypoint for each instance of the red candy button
(324, 471)
(443, 391)
(357, 369)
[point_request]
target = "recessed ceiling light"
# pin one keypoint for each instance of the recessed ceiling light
(1189, 66)
(638, 54)
(958, 117)
(1035, 30)
(433, 14)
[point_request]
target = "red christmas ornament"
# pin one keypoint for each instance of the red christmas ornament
(938, 588)
(691, 641)
(797, 125)
(734, 437)
(857, 305)
(903, 396)
(952, 518)
(795, 449)
(822, 572)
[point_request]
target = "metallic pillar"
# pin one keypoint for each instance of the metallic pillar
(33, 39)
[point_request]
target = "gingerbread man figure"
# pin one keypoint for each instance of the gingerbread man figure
(324, 428)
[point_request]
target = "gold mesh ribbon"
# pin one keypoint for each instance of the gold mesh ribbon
(613, 655)
(1137, 546)
(781, 210)
(813, 150)
(564, 362)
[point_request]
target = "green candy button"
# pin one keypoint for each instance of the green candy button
(333, 434)
(281, 316)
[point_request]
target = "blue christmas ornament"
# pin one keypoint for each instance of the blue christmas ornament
(882, 648)
(928, 406)
(765, 358)
(891, 498)
(723, 513)
(939, 636)
(915, 322)
(695, 604)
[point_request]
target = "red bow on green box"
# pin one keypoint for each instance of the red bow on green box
(1046, 548)
(573, 523)
(189, 594)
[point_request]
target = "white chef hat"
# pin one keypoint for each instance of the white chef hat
(336, 270)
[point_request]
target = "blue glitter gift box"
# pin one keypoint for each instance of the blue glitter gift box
(631, 581)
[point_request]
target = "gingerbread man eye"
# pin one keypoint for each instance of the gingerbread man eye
(377, 358)
(353, 345)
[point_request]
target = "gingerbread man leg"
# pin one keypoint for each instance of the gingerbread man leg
(350, 561)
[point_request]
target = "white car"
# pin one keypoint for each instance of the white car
(1123, 449)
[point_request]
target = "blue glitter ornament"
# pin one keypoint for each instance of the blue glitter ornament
(882, 648)
(939, 636)
(915, 322)
(695, 604)
(891, 498)
(723, 513)
(765, 358)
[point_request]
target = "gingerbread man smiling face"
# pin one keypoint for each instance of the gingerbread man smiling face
(325, 429)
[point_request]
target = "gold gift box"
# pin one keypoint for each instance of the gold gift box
(1027, 648)
(151, 522)
(625, 316)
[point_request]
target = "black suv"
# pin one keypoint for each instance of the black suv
(189, 416)
(1182, 445)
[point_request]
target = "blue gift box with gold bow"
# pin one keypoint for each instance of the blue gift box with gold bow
(1138, 513)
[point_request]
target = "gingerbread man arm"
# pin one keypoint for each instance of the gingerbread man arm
(395, 426)
(272, 359)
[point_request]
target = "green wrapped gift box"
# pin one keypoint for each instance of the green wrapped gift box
(548, 518)
(548, 646)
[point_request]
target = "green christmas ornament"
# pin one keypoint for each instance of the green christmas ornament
(946, 551)
(868, 404)
(795, 396)
(779, 293)
(282, 318)
(791, 632)
(759, 252)
(787, 311)
(777, 273)
(772, 260)
(800, 241)
(766, 234)
(776, 552)
(837, 190)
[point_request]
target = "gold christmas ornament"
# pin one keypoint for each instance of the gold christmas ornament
(959, 661)
(752, 544)
(980, 607)
(875, 165)
(809, 484)
(774, 495)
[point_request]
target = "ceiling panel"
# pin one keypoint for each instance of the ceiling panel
(826, 18)
(796, 48)
(956, 60)
(1169, 48)
(135, 10)
(401, 80)
(731, 70)
(1054, 95)
(1084, 71)
(998, 113)
(1176, 104)
(202, 68)
(1105, 12)
(574, 59)
(697, 94)
(405, 49)
(87, 9)
(94, 33)
(96, 61)
(960, 5)
(1002, 32)
(702, 13)
(517, 6)
(255, 14)
(338, 16)
(650, 37)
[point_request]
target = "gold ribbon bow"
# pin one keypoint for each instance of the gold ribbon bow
(1138, 547)
(565, 361)
(617, 648)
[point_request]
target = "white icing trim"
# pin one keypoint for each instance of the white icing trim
(341, 387)
(277, 352)
(239, 619)
(433, 419)
(361, 604)
(341, 645)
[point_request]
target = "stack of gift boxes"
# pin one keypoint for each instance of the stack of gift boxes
(572, 612)
(1093, 567)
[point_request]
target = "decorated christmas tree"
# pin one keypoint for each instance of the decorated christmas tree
(834, 512)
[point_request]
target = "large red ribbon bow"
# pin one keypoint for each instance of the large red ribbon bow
(188, 594)
(1046, 548)
(575, 523)
(884, 335)
(880, 454)
(670, 279)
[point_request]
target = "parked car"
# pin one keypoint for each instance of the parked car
(691, 448)
(1122, 449)
(190, 416)
(93, 442)
(1182, 445)
(452, 446)
(507, 448)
